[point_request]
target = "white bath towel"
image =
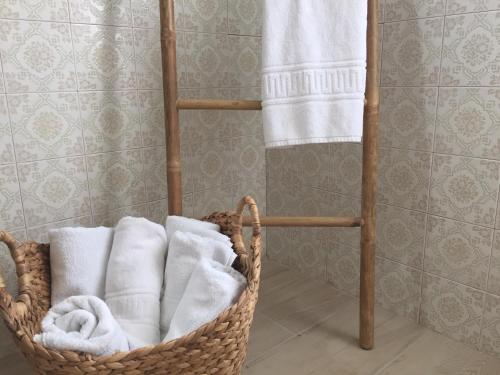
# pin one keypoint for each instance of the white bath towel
(313, 71)
(83, 324)
(211, 289)
(135, 277)
(201, 228)
(78, 261)
(185, 251)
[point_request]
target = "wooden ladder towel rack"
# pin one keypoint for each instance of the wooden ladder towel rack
(370, 156)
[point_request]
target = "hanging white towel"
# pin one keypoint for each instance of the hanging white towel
(78, 261)
(185, 251)
(313, 71)
(201, 228)
(82, 324)
(135, 277)
(211, 289)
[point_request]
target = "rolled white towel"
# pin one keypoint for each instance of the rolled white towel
(201, 228)
(135, 277)
(83, 324)
(211, 289)
(185, 251)
(78, 261)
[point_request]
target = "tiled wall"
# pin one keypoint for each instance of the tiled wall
(438, 252)
(81, 112)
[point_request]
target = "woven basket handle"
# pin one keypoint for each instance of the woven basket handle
(7, 304)
(249, 262)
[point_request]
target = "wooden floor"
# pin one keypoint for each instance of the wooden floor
(305, 327)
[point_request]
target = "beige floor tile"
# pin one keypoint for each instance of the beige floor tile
(392, 337)
(266, 334)
(435, 354)
(15, 364)
(302, 305)
(314, 349)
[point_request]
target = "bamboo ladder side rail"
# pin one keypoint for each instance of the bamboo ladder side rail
(369, 169)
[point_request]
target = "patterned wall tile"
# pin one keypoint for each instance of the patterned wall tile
(407, 117)
(146, 13)
(6, 146)
(398, 288)
(213, 200)
(497, 221)
(104, 57)
(37, 56)
(279, 170)
(245, 17)
(2, 84)
(110, 120)
(381, 11)
(467, 122)
(187, 205)
(45, 125)
(342, 205)
(148, 58)
(11, 209)
(308, 251)
(255, 187)
(396, 10)
(283, 199)
(109, 12)
(54, 190)
(404, 178)
(111, 218)
(469, 6)
(155, 172)
(471, 50)
(248, 157)
(279, 245)
(452, 309)
(53, 10)
(152, 117)
(208, 58)
(116, 180)
(7, 266)
(211, 164)
(158, 211)
(412, 52)
(342, 268)
(41, 234)
(401, 235)
(347, 165)
(490, 340)
(205, 15)
(464, 189)
(201, 125)
(494, 272)
(458, 251)
(244, 61)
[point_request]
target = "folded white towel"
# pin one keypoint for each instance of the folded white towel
(135, 277)
(313, 71)
(83, 324)
(211, 289)
(201, 228)
(185, 251)
(78, 261)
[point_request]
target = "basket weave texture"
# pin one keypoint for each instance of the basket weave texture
(218, 347)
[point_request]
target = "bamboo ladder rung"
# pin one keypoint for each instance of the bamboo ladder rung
(245, 105)
(305, 221)
(249, 105)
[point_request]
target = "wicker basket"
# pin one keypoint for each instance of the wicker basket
(218, 347)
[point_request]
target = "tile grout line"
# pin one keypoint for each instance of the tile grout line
(432, 155)
(16, 164)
